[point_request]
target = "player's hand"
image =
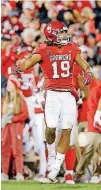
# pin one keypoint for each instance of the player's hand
(15, 70)
(87, 78)
(9, 122)
(97, 118)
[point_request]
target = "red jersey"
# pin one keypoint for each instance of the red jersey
(82, 112)
(27, 78)
(57, 65)
(92, 106)
(7, 62)
(76, 71)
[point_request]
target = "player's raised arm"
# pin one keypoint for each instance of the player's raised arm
(85, 66)
(28, 63)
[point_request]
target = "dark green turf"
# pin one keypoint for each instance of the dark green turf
(31, 185)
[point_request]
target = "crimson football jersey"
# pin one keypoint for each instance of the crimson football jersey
(92, 107)
(27, 80)
(7, 62)
(76, 72)
(94, 98)
(57, 65)
(27, 77)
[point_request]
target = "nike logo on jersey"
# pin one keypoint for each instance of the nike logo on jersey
(49, 52)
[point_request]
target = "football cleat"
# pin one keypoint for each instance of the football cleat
(87, 78)
(53, 174)
(42, 179)
(69, 179)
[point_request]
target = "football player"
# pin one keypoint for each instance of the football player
(93, 135)
(56, 58)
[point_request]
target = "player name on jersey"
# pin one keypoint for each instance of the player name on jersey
(65, 57)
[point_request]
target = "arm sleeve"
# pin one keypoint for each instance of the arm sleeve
(23, 115)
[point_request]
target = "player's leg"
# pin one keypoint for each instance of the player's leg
(52, 112)
(39, 141)
(17, 135)
(96, 166)
(5, 152)
(70, 159)
(68, 119)
(70, 156)
(86, 158)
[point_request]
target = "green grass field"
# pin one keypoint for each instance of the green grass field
(31, 185)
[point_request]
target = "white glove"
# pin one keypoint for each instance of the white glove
(97, 118)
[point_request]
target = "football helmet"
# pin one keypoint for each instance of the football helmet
(56, 32)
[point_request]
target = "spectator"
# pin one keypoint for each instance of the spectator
(28, 11)
(3, 85)
(67, 7)
(91, 40)
(15, 23)
(52, 13)
(88, 20)
(14, 114)
(35, 24)
(97, 11)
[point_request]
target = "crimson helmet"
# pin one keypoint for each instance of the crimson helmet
(53, 30)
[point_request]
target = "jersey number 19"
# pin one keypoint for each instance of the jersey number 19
(64, 69)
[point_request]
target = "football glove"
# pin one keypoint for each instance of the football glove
(87, 78)
(15, 70)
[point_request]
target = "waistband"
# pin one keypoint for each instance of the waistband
(72, 91)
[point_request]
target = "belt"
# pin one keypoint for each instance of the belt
(72, 91)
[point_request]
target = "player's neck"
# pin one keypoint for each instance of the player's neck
(59, 46)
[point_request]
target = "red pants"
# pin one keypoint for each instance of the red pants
(12, 138)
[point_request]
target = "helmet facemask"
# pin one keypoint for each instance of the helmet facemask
(63, 38)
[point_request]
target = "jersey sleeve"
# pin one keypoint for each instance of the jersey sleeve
(40, 49)
(37, 50)
(76, 50)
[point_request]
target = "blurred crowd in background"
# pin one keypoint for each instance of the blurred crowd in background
(22, 28)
